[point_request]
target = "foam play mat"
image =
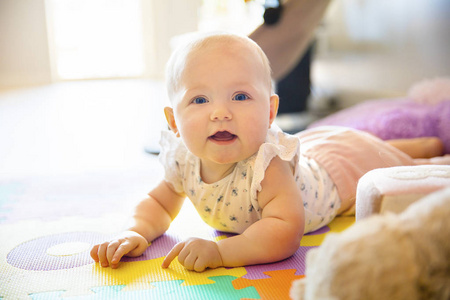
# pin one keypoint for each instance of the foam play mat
(46, 238)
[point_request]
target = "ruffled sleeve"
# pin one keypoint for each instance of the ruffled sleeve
(173, 158)
(280, 144)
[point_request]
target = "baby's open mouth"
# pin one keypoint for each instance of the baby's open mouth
(223, 136)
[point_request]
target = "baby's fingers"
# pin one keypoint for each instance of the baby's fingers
(172, 254)
(111, 254)
(120, 251)
(94, 253)
(102, 256)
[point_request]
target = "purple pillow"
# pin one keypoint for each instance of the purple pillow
(395, 119)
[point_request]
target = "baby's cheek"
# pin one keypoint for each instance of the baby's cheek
(255, 141)
(190, 132)
(258, 131)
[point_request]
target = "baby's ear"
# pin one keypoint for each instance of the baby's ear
(274, 102)
(168, 111)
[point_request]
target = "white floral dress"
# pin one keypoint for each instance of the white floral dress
(231, 204)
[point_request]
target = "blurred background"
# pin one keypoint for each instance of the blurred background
(81, 81)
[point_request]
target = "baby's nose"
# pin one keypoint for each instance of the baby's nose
(220, 113)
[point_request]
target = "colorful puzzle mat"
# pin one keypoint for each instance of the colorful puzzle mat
(49, 259)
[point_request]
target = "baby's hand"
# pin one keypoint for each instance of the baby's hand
(129, 243)
(195, 254)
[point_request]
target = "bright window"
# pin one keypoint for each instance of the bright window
(96, 38)
(231, 15)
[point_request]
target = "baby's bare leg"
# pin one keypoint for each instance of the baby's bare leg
(424, 147)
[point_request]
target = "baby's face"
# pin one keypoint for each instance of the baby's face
(224, 107)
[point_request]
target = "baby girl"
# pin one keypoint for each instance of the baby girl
(241, 172)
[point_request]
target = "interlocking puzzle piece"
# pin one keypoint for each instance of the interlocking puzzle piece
(341, 223)
(47, 295)
(134, 274)
(35, 255)
(221, 288)
(131, 276)
(314, 238)
(296, 262)
(158, 248)
(276, 286)
(337, 225)
(78, 279)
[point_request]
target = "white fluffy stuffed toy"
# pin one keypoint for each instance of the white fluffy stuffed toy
(405, 256)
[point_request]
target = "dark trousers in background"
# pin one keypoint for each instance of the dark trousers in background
(295, 87)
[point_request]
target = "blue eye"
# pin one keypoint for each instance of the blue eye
(199, 100)
(240, 97)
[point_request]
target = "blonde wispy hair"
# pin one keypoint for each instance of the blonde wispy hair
(177, 62)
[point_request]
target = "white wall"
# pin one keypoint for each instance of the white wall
(163, 20)
(367, 44)
(24, 47)
(24, 58)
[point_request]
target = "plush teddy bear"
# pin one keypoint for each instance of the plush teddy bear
(404, 256)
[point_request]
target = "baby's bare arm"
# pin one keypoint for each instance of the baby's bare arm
(152, 218)
(277, 235)
(154, 214)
